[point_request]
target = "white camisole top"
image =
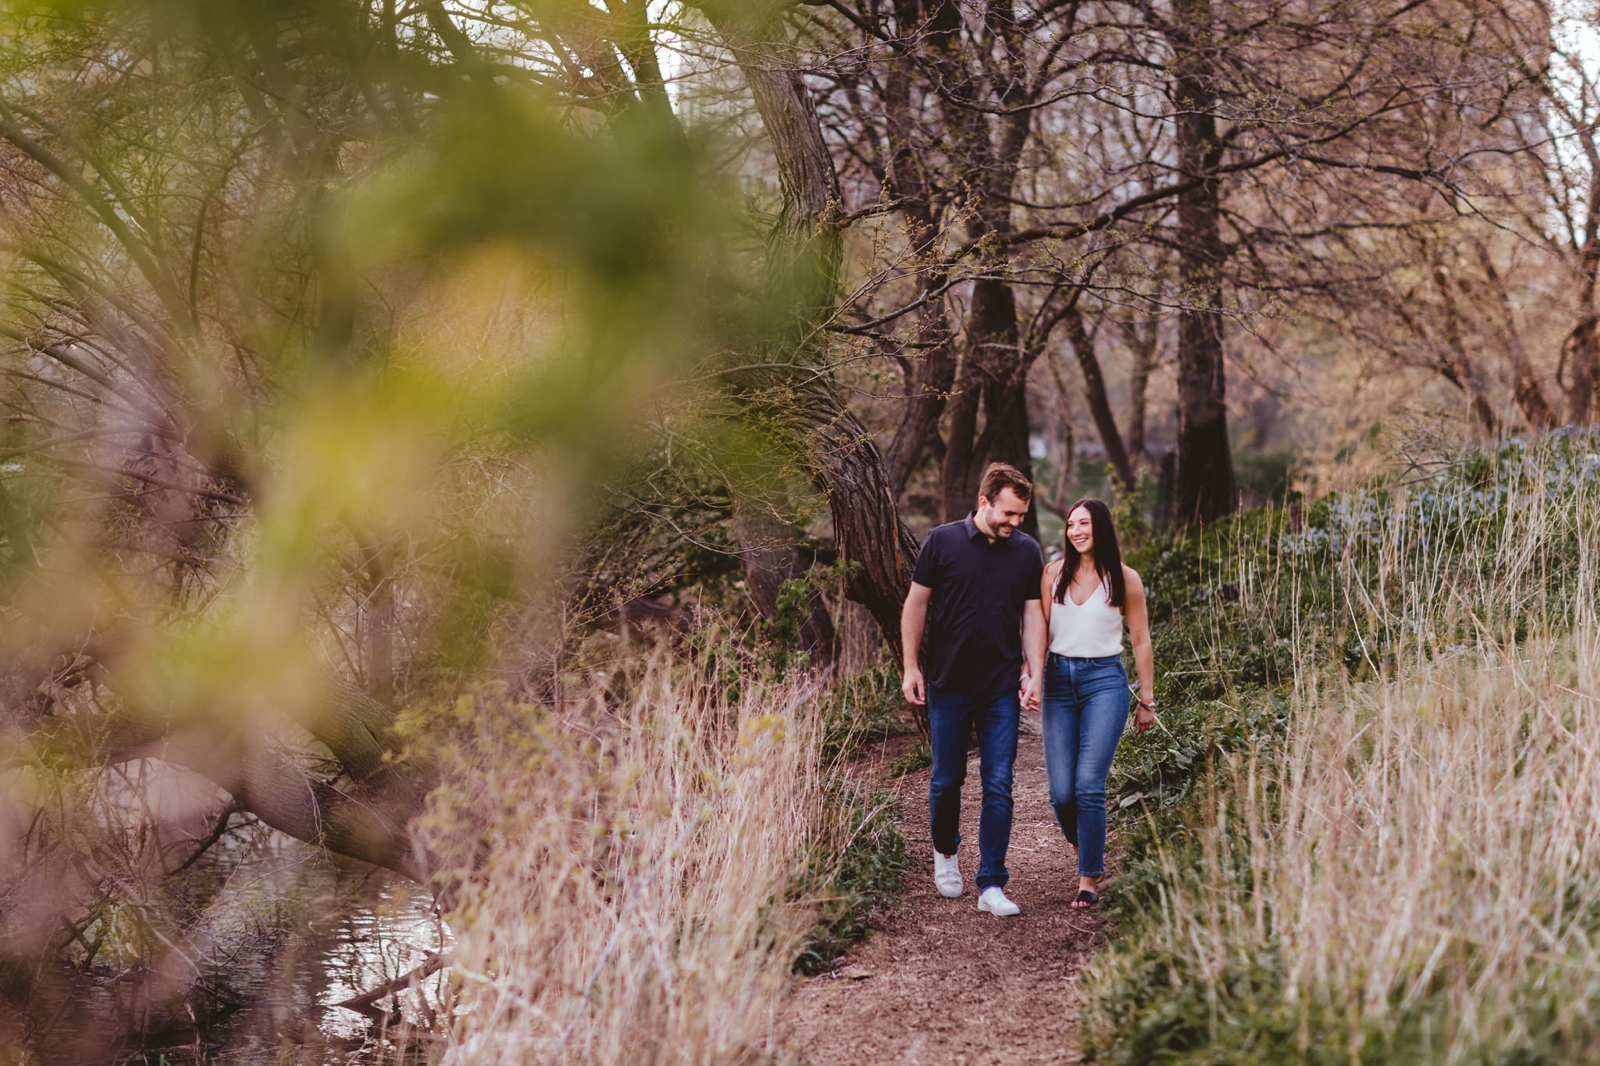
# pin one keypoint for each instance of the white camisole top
(1090, 631)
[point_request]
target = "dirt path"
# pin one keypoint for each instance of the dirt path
(940, 983)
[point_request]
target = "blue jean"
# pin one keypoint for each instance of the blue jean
(951, 719)
(1084, 710)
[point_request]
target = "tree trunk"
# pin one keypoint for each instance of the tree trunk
(1206, 489)
(927, 391)
(1456, 363)
(934, 363)
(1141, 337)
(1066, 445)
(1525, 387)
(1094, 392)
(849, 470)
(790, 387)
(958, 483)
(369, 818)
(770, 550)
(992, 381)
(1580, 355)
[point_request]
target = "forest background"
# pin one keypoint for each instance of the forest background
(487, 442)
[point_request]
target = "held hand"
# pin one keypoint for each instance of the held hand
(1143, 719)
(1032, 692)
(912, 686)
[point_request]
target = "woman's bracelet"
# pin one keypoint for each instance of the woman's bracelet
(1147, 705)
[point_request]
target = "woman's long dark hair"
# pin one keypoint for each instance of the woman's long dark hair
(1107, 555)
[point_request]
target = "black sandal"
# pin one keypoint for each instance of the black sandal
(1085, 900)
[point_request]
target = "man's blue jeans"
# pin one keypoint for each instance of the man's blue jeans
(1084, 710)
(951, 719)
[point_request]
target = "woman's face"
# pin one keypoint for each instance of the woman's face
(1080, 531)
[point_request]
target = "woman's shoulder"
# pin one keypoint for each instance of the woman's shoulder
(1131, 579)
(1052, 568)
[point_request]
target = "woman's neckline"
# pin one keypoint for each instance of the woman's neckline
(1087, 598)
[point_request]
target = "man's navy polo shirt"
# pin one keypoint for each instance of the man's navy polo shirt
(974, 634)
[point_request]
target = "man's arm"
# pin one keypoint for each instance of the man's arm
(913, 620)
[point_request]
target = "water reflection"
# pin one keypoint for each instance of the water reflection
(277, 936)
(382, 928)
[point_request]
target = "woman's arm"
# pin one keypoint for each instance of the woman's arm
(1047, 589)
(1133, 609)
(1038, 639)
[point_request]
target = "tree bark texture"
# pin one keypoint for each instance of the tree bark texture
(1525, 387)
(927, 389)
(992, 382)
(1066, 445)
(1456, 364)
(848, 469)
(1580, 359)
(1206, 489)
(1141, 337)
(803, 250)
(934, 362)
(906, 179)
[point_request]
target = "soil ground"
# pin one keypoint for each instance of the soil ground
(938, 982)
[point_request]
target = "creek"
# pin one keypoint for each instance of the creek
(282, 936)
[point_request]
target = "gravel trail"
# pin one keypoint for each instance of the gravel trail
(940, 983)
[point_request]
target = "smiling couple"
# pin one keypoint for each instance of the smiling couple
(1004, 631)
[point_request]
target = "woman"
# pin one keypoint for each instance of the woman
(1083, 693)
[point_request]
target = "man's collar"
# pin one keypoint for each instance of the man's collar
(971, 524)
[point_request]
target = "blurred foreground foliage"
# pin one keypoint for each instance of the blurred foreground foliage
(1366, 831)
(359, 359)
(369, 317)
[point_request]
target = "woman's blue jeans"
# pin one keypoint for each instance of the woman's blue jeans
(952, 718)
(1083, 712)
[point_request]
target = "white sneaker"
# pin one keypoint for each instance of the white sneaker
(993, 900)
(947, 875)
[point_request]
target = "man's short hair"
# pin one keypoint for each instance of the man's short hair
(1001, 476)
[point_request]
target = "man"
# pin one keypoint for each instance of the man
(975, 593)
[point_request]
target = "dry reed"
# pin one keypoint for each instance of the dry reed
(630, 900)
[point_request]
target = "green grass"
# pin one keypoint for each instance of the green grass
(918, 758)
(861, 871)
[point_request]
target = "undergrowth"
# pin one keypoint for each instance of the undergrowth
(1367, 829)
(860, 861)
(852, 877)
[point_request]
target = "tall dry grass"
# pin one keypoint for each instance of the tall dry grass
(631, 873)
(1412, 872)
(1435, 859)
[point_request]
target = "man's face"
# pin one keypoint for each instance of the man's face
(1004, 513)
